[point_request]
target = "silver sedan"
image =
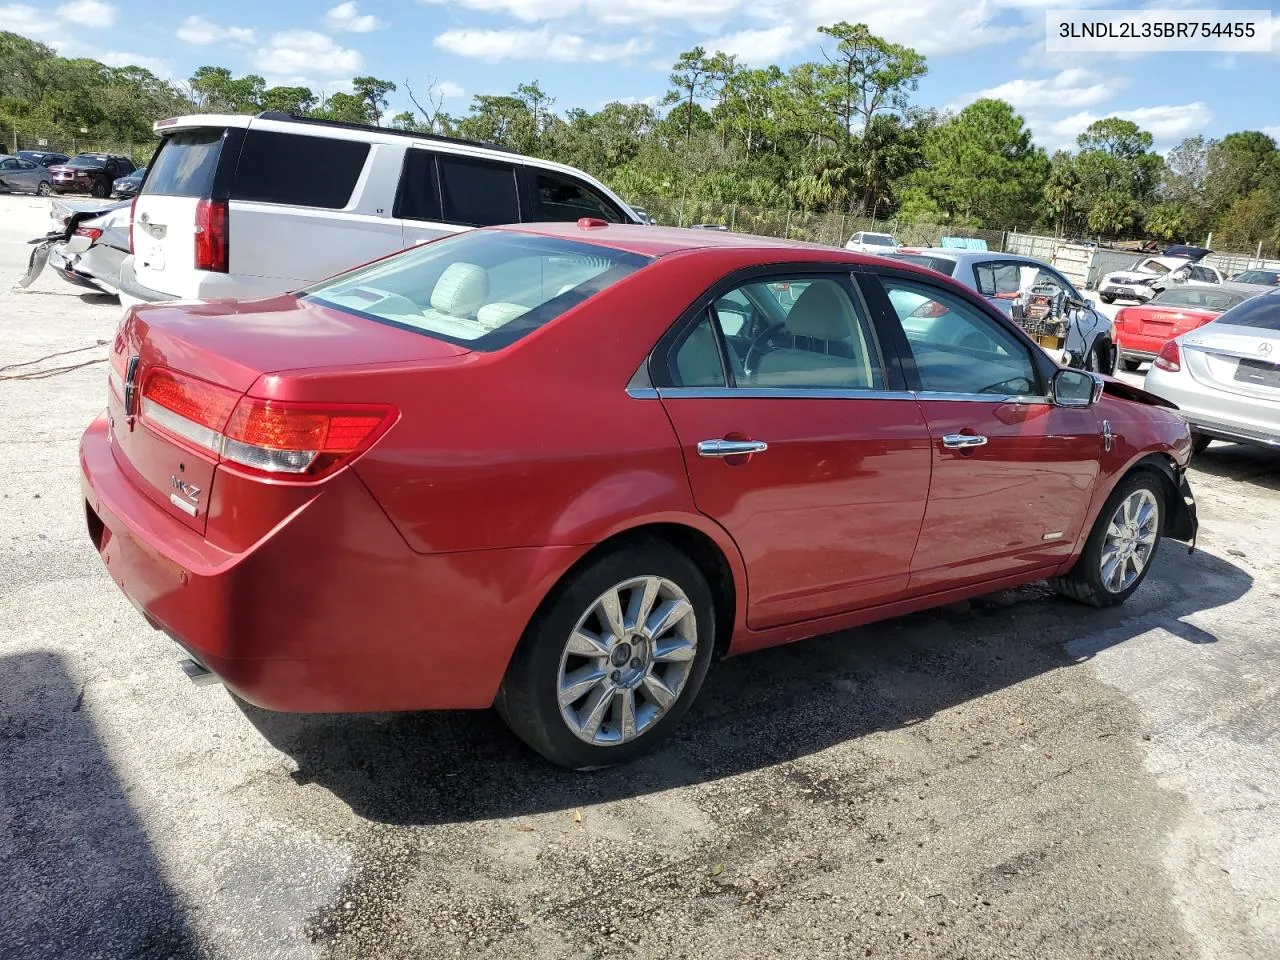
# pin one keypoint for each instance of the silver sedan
(1035, 296)
(23, 175)
(1225, 375)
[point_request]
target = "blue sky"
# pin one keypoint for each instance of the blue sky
(586, 52)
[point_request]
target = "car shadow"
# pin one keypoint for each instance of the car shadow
(1241, 462)
(79, 876)
(754, 711)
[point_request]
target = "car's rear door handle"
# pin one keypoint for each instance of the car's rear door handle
(959, 441)
(730, 448)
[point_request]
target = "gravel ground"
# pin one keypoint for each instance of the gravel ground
(1012, 777)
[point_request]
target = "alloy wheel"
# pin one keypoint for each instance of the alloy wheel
(1130, 540)
(627, 661)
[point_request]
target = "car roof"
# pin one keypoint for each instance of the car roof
(659, 241)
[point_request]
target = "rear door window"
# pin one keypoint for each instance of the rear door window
(418, 197)
(478, 193)
(558, 197)
(1261, 312)
(297, 170)
(186, 164)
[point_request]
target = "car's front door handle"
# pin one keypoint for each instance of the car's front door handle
(960, 441)
(731, 448)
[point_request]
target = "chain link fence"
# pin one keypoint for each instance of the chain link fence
(18, 137)
(833, 229)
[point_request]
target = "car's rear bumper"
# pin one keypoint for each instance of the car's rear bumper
(1217, 413)
(1138, 347)
(329, 612)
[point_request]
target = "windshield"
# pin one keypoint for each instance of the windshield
(1197, 298)
(86, 162)
(878, 239)
(482, 289)
(1266, 277)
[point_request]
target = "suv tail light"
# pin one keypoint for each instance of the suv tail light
(93, 233)
(133, 215)
(1169, 358)
(211, 236)
(305, 440)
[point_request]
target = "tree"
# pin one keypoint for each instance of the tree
(374, 94)
(505, 121)
(215, 90)
(1062, 191)
(1237, 165)
(1118, 174)
(691, 77)
(344, 108)
(295, 101)
(1250, 220)
(981, 167)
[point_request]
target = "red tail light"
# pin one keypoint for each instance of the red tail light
(211, 236)
(1169, 358)
(930, 308)
(1122, 318)
(133, 215)
(304, 439)
(93, 233)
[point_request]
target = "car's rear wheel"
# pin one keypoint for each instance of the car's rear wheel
(1099, 358)
(44, 189)
(1106, 298)
(1199, 443)
(614, 659)
(1122, 545)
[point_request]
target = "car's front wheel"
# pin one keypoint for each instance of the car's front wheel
(1106, 298)
(1122, 545)
(614, 659)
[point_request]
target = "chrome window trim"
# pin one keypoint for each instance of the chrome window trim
(983, 397)
(778, 393)
(643, 393)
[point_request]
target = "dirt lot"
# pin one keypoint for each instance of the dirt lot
(1013, 777)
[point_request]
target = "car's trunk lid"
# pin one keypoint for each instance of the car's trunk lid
(1171, 322)
(1240, 360)
(230, 346)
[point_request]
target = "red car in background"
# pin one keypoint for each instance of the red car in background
(559, 469)
(1141, 331)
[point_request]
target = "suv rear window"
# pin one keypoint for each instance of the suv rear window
(185, 165)
(297, 170)
(478, 193)
(482, 289)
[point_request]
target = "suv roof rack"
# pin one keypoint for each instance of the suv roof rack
(342, 124)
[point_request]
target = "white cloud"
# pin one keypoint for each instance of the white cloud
(88, 13)
(305, 53)
(447, 88)
(617, 12)
(544, 44)
(758, 48)
(1068, 89)
(198, 30)
(1272, 132)
(28, 21)
(1166, 124)
(161, 67)
(346, 18)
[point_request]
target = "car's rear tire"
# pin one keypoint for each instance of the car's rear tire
(1106, 298)
(1199, 443)
(44, 189)
(1098, 360)
(1130, 364)
(1122, 545)
(595, 681)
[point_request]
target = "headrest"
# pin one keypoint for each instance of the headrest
(494, 315)
(461, 290)
(821, 312)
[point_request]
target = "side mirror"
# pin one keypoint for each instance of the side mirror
(1075, 388)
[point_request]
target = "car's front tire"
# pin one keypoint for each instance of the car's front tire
(1122, 545)
(1106, 298)
(1199, 443)
(613, 659)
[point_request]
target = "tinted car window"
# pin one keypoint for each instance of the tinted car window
(297, 170)
(1268, 277)
(1203, 274)
(957, 348)
(484, 289)
(1260, 312)
(418, 197)
(695, 359)
(185, 165)
(478, 193)
(562, 198)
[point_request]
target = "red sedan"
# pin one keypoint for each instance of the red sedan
(560, 469)
(1141, 331)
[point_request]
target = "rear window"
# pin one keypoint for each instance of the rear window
(483, 290)
(185, 165)
(418, 197)
(1258, 276)
(878, 239)
(478, 193)
(1261, 312)
(1197, 299)
(563, 198)
(297, 170)
(940, 264)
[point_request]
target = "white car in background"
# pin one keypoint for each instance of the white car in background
(866, 242)
(1150, 275)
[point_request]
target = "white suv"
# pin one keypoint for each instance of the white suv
(246, 207)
